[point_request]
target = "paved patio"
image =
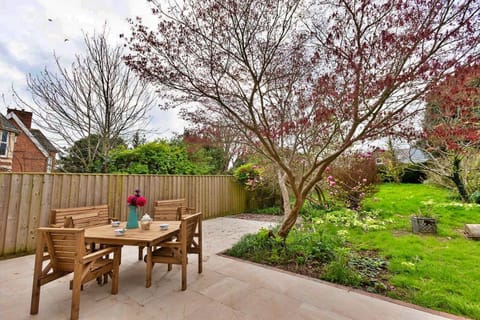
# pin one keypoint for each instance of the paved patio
(227, 289)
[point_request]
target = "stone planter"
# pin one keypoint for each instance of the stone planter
(472, 231)
(423, 225)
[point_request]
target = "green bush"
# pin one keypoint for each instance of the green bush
(249, 175)
(252, 246)
(475, 197)
(339, 271)
(311, 244)
(304, 244)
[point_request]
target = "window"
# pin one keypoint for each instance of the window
(49, 164)
(3, 143)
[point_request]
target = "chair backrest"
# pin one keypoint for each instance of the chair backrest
(64, 246)
(80, 217)
(168, 209)
(188, 228)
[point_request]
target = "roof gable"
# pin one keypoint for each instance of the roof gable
(6, 125)
(29, 134)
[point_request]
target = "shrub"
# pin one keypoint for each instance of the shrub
(249, 175)
(261, 183)
(475, 197)
(339, 271)
(312, 244)
(352, 178)
(275, 211)
(252, 246)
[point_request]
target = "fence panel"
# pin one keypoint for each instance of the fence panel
(27, 199)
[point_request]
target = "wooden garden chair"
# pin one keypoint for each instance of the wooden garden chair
(195, 246)
(168, 210)
(172, 209)
(66, 253)
(175, 252)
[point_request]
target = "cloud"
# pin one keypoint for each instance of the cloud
(32, 30)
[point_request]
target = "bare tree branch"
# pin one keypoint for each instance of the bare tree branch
(97, 96)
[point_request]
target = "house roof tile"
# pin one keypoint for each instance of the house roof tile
(43, 140)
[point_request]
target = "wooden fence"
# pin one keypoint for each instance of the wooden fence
(26, 199)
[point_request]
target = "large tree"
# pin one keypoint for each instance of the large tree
(80, 158)
(96, 100)
(303, 81)
(451, 129)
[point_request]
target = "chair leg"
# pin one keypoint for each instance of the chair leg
(81, 287)
(35, 297)
(184, 277)
(200, 246)
(37, 271)
(75, 308)
(115, 271)
(140, 253)
(200, 262)
(169, 267)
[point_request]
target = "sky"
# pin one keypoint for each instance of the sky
(32, 30)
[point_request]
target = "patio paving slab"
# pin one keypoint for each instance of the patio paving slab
(227, 289)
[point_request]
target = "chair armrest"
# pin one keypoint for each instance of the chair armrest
(100, 253)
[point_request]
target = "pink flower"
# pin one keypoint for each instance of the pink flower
(364, 180)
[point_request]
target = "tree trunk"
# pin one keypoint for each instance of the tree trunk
(290, 213)
(291, 218)
(282, 182)
(457, 179)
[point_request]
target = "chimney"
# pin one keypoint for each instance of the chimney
(24, 116)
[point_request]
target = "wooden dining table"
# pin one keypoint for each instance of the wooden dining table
(134, 237)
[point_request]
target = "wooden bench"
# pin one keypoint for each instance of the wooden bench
(80, 217)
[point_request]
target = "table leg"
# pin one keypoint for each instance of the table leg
(148, 280)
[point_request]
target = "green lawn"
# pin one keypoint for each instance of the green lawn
(378, 252)
(440, 272)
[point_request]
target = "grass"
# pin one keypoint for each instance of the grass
(378, 252)
(435, 271)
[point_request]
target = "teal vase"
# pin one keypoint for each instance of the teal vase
(132, 221)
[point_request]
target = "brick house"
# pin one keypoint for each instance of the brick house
(32, 151)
